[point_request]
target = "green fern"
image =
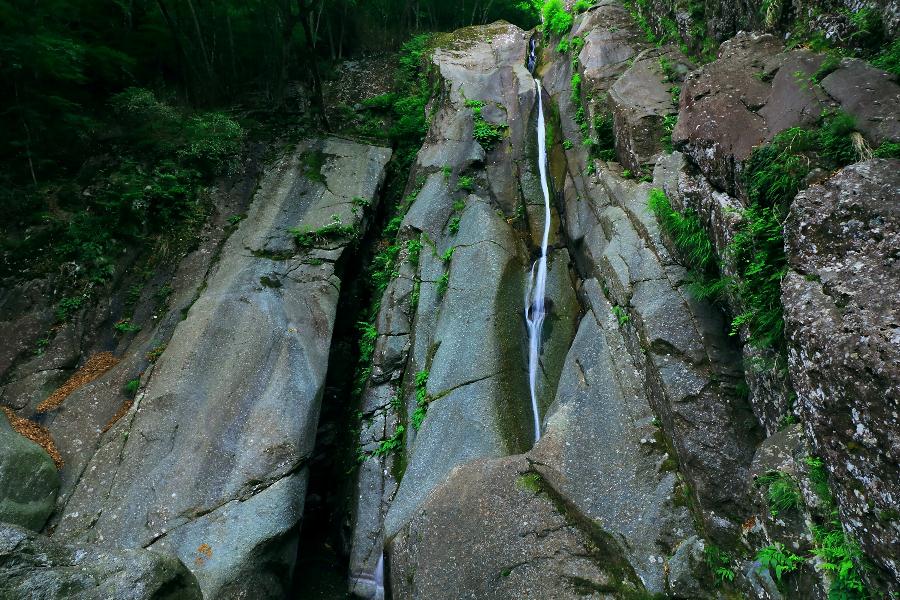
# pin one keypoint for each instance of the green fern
(778, 560)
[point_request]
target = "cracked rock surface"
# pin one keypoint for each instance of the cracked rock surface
(209, 463)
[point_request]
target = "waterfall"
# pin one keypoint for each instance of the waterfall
(535, 309)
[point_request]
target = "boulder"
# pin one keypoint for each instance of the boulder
(209, 464)
(718, 124)
(29, 480)
(641, 101)
(33, 566)
(495, 529)
(842, 309)
(871, 95)
(685, 571)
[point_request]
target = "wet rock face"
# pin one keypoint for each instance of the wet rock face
(28, 480)
(33, 566)
(841, 304)
(209, 464)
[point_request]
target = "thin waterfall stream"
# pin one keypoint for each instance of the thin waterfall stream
(535, 308)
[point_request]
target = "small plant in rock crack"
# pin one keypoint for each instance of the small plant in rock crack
(485, 133)
(367, 338)
(131, 388)
(567, 144)
(413, 249)
(308, 238)
(465, 183)
(155, 353)
(576, 89)
(41, 346)
(443, 282)
(818, 477)
(621, 314)
(391, 444)
(67, 308)
(719, 563)
(448, 255)
(422, 399)
(446, 170)
(126, 326)
(668, 124)
(414, 295)
(781, 491)
(840, 556)
(692, 241)
(454, 225)
(777, 560)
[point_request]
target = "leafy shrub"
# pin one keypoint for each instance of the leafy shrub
(556, 20)
(887, 150)
(719, 563)
(778, 560)
(581, 5)
(212, 140)
(206, 141)
(889, 58)
(485, 133)
(839, 556)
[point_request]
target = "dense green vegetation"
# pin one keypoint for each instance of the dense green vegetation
(692, 242)
(773, 175)
(118, 115)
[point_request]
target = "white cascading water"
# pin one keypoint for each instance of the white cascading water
(379, 578)
(535, 308)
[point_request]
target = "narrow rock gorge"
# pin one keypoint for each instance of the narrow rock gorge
(718, 375)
